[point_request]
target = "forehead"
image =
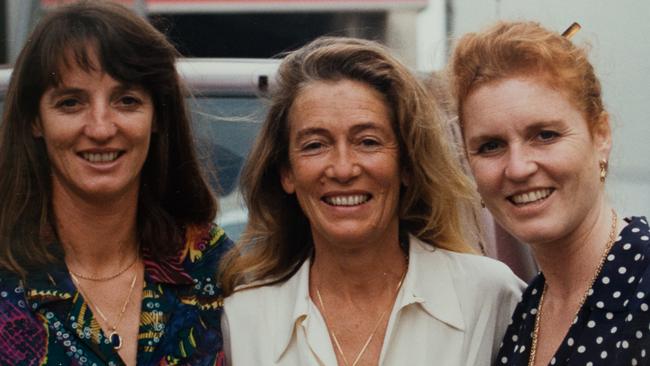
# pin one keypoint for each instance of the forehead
(517, 101)
(338, 104)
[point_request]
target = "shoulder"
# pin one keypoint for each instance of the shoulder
(485, 278)
(11, 289)
(204, 246)
(475, 271)
(193, 270)
(260, 298)
(480, 284)
(22, 333)
(252, 297)
(637, 230)
(275, 303)
(246, 311)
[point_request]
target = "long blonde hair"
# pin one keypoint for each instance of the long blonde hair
(278, 239)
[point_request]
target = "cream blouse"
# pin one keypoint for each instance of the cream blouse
(452, 309)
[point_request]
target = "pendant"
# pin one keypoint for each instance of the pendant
(116, 340)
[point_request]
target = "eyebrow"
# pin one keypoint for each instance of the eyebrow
(535, 126)
(309, 131)
(323, 131)
(61, 91)
(480, 139)
(64, 90)
(365, 126)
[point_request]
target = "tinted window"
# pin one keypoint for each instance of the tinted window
(225, 129)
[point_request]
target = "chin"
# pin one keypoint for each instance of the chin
(537, 233)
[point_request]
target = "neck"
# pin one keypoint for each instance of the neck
(362, 271)
(569, 264)
(97, 237)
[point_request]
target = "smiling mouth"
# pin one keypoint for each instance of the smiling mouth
(351, 200)
(106, 157)
(531, 197)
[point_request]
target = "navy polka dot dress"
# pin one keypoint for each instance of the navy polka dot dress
(613, 326)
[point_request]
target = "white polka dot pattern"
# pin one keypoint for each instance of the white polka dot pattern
(612, 327)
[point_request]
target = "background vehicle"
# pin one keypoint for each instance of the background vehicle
(227, 108)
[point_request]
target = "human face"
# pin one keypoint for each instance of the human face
(535, 161)
(344, 163)
(97, 132)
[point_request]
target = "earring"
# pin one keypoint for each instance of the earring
(482, 203)
(603, 169)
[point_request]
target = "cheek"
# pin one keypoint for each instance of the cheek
(141, 135)
(307, 171)
(485, 174)
(57, 139)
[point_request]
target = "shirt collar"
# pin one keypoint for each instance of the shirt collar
(55, 283)
(427, 283)
(294, 294)
(52, 284)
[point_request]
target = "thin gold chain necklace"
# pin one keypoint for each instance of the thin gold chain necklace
(106, 278)
(113, 335)
(372, 334)
(608, 247)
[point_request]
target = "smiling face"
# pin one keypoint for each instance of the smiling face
(97, 133)
(344, 163)
(535, 161)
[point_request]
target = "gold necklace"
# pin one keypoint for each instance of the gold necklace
(608, 247)
(113, 335)
(372, 334)
(107, 278)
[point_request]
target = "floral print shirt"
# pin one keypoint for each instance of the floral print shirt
(613, 326)
(45, 320)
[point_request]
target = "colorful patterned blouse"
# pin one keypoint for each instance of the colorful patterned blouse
(47, 322)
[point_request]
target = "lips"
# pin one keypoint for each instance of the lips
(531, 196)
(347, 200)
(100, 157)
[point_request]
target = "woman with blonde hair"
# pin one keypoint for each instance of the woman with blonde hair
(355, 253)
(538, 141)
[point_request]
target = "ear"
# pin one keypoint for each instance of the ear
(602, 135)
(37, 130)
(287, 180)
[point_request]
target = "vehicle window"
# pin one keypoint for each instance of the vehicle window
(225, 129)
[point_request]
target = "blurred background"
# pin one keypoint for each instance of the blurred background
(421, 33)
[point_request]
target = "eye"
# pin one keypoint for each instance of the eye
(67, 104)
(547, 135)
(489, 147)
(312, 146)
(129, 101)
(370, 142)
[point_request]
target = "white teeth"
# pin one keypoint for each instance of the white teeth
(100, 157)
(531, 196)
(353, 200)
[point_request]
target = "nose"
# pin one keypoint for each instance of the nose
(344, 165)
(100, 125)
(521, 164)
